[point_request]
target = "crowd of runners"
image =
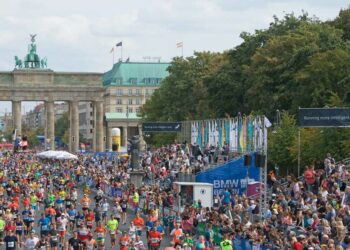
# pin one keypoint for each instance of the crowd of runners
(90, 204)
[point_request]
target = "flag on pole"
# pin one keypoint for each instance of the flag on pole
(179, 45)
(267, 124)
(119, 44)
(112, 50)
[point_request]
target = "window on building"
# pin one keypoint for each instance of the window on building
(158, 80)
(146, 80)
(129, 110)
(130, 92)
(137, 110)
(138, 101)
(91, 131)
(119, 92)
(91, 122)
(119, 101)
(118, 81)
(138, 92)
(119, 110)
(153, 80)
(133, 80)
(130, 102)
(147, 92)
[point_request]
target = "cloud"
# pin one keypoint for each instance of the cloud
(78, 35)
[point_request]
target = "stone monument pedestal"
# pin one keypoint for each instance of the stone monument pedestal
(136, 177)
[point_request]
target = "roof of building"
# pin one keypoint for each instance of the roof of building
(114, 116)
(136, 73)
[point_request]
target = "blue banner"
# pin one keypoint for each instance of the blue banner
(231, 175)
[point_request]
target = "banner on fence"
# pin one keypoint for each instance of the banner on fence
(232, 175)
(241, 134)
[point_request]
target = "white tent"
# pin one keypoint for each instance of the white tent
(59, 155)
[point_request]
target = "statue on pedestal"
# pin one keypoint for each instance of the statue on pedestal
(32, 59)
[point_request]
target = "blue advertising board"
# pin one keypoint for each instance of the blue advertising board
(231, 175)
(324, 117)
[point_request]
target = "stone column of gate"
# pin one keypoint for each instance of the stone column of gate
(109, 138)
(17, 117)
(125, 136)
(74, 126)
(99, 147)
(50, 123)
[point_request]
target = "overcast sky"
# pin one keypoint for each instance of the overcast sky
(77, 35)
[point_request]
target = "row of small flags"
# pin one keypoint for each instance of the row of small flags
(241, 134)
(120, 44)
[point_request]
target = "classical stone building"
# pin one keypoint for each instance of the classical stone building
(31, 80)
(96, 102)
(127, 87)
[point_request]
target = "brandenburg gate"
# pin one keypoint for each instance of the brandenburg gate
(31, 80)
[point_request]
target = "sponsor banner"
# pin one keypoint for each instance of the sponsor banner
(232, 175)
(324, 117)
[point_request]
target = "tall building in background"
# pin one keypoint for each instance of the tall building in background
(127, 87)
(86, 121)
(36, 118)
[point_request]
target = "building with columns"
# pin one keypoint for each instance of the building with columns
(111, 100)
(128, 85)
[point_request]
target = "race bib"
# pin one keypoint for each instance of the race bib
(100, 235)
(72, 217)
(44, 227)
(138, 228)
(123, 243)
(154, 240)
(54, 238)
(89, 223)
(11, 244)
(112, 232)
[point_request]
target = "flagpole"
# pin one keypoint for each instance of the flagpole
(113, 57)
(182, 50)
(121, 53)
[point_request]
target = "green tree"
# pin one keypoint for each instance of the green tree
(32, 138)
(342, 22)
(62, 125)
(280, 141)
(273, 76)
(182, 95)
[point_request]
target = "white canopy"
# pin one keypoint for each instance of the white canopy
(59, 155)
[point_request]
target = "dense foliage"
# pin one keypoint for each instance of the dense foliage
(297, 61)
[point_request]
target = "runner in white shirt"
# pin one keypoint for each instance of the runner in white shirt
(31, 241)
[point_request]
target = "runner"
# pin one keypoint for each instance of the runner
(112, 226)
(154, 238)
(101, 235)
(139, 224)
(124, 241)
(10, 241)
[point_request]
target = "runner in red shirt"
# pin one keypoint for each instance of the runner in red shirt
(154, 238)
(89, 219)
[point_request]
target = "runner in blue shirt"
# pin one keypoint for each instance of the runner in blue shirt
(44, 224)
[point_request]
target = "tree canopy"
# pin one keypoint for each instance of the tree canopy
(298, 61)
